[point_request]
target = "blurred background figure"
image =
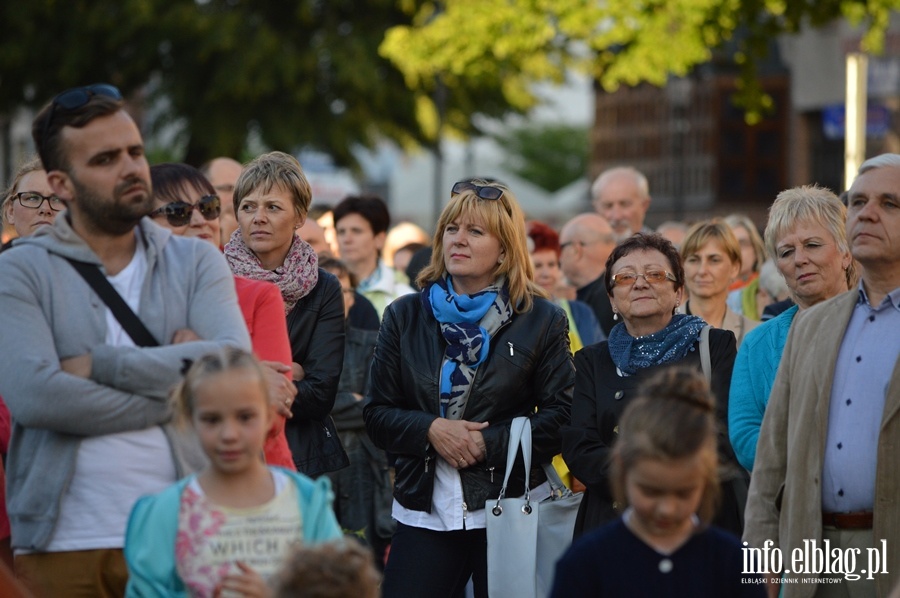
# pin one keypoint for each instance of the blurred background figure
(584, 244)
(29, 203)
(324, 216)
(743, 298)
(223, 173)
(362, 491)
(313, 233)
(771, 282)
(404, 255)
(712, 261)
(622, 196)
(401, 235)
(584, 329)
(361, 223)
(674, 231)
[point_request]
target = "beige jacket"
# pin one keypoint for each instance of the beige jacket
(785, 500)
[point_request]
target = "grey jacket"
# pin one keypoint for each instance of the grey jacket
(48, 313)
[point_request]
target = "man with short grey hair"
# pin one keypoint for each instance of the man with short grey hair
(585, 243)
(622, 196)
(826, 477)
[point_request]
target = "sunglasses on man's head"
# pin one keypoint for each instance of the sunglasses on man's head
(75, 98)
(178, 213)
(483, 192)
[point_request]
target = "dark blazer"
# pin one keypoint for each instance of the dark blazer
(529, 366)
(316, 332)
(601, 396)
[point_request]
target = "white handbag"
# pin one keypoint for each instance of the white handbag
(525, 538)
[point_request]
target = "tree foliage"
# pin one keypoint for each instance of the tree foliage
(618, 42)
(302, 73)
(549, 155)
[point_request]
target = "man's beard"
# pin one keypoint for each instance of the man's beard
(112, 216)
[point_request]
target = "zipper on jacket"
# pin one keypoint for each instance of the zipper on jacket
(427, 459)
(511, 352)
(327, 433)
(491, 470)
(465, 511)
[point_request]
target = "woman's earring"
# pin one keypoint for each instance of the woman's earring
(615, 316)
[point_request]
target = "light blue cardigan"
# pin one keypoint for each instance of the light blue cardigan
(153, 527)
(751, 382)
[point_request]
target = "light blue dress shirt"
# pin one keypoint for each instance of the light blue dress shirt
(867, 357)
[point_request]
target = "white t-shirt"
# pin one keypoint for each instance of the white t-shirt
(114, 470)
(211, 538)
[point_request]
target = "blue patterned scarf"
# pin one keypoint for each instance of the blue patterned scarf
(467, 323)
(670, 344)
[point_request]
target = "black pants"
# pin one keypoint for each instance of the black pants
(435, 564)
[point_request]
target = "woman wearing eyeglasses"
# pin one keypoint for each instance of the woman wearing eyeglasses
(271, 200)
(186, 204)
(30, 203)
(645, 282)
(454, 364)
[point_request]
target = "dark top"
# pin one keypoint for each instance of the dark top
(612, 561)
(363, 315)
(595, 295)
(528, 372)
(773, 309)
(316, 332)
(598, 401)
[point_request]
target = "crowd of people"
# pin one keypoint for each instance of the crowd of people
(213, 386)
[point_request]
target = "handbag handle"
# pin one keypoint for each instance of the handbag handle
(519, 436)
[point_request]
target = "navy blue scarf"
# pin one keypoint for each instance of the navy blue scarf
(668, 345)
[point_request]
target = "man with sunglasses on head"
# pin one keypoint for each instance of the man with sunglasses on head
(87, 389)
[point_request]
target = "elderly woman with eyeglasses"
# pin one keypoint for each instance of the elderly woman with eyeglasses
(185, 202)
(645, 282)
(480, 345)
(30, 203)
(806, 236)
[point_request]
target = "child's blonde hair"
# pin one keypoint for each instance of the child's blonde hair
(343, 569)
(228, 358)
(671, 418)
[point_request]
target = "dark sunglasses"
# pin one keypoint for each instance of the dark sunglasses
(482, 192)
(75, 98)
(178, 213)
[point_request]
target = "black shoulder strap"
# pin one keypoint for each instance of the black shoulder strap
(126, 317)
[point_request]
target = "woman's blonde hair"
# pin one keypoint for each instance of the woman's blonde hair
(815, 205)
(711, 230)
(671, 418)
(226, 359)
(503, 218)
(275, 169)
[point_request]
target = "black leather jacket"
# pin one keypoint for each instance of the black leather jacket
(316, 331)
(529, 366)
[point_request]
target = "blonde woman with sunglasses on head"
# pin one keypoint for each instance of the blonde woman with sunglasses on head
(454, 364)
(645, 281)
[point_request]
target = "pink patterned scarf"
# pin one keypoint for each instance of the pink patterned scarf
(296, 277)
